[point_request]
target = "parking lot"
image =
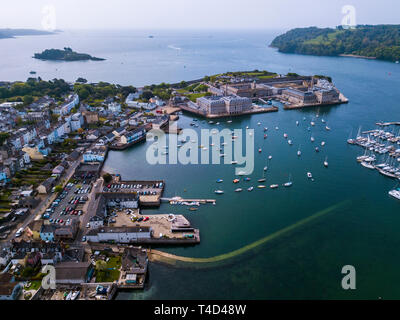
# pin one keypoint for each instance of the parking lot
(140, 188)
(69, 203)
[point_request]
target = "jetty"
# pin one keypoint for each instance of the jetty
(181, 200)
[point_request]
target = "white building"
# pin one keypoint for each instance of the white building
(119, 234)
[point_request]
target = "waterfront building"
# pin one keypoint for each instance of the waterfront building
(299, 97)
(219, 105)
(119, 234)
(133, 136)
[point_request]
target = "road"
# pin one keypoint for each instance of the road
(46, 202)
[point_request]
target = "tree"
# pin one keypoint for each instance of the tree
(107, 178)
(81, 80)
(101, 265)
(58, 189)
(28, 100)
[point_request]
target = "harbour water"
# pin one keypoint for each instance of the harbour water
(304, 263)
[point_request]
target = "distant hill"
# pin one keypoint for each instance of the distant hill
(10, 33)
(379, 42)
(64, 55)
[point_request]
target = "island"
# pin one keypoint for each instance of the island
(11, 33)
(364, 41)
(64, 55)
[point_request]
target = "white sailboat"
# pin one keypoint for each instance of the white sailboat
(326, 164)
(299, 152)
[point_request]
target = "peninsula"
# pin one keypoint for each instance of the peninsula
(366, 41)
(11, 33)
(64, 55)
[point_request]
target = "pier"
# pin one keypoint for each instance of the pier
(179, 199)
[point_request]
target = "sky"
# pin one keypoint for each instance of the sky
(192, 14)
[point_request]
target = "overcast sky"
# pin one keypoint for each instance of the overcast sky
(191, 14)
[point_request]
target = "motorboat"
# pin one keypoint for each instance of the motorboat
(236, 181)
(285, 135)
(327, 128)
(309, 175)
(290, 142)
(270, 158)
(262, 180)
(288, 184)
(220, 181)
(260, 150)
(219, 192)
(395, 193)
(316, 149)
(239, 190)
(323, 143)
(250, 189)
(261, 187)
(247, 179)
(265, 168)
(274, 186)
(312, 139)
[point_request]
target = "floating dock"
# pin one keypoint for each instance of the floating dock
(179, 199)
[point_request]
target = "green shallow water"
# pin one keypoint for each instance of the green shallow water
(307, 262)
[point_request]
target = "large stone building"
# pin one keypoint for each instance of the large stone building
(217, 105)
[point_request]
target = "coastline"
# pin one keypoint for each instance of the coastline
(357, 56)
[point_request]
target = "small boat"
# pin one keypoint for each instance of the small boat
(234, 162)
(217, 123)
(285, 135)
(289, 183)
(290, 142)
(395, 193)
(327, 128)
(211, 122)
(312, 139)
(259, 124)
(220, 181)
(323, 121)
(262, 180)
(326, 164)
(316, 149)
(299, 153)
(276, 128)
(323, 143)
(309, 175)
(265, 129)
(239, 190)
(261, 187)
(297, 123)
(260, 150)
(270, 158)
(274, 186)
(236, 181)
(312, 123)
(247, 179)
(250, 189)
(219, 192)
(265, 168)
(229, 121)
(265, 136)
